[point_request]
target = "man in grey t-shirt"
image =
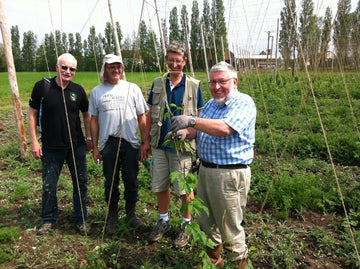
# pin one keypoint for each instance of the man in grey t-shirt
(118, 108)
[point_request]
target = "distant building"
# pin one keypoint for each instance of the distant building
(247, 61)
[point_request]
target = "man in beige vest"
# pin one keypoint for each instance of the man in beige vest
(174, 90)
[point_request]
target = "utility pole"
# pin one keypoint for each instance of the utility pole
(13, 83)
(268, 49)
(276, 49)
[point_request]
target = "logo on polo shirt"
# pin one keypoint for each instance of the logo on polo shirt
(73, 96)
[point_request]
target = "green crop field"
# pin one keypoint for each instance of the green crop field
(304, 195)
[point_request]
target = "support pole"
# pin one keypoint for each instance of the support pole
(188, 49)
(205, 57)
(13, 83)
(160, 30)
(117, 43)
(215, 50)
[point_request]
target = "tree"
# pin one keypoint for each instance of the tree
(108, 40)
(195, 37)
(206, 30)
(355, 36)
(78, 51)
(28, 51)
(15, 46)
(219, 29)
(93, 51)
(287, 36)
(341, 36)
(205, 22)
(174, 26)
(3, 66)
(119, 34)
(325, 36)
(306, 28)
(147, 51)
(315, 42)
(184, 24)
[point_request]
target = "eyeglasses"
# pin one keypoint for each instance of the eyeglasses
(212, 83)
(171, 61)
(113, 67)
(66, 68)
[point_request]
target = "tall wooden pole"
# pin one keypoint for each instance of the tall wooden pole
(205, 57)
(160, 30)
(13, 83)
(215, 50)
(117, 43)
(188, 49)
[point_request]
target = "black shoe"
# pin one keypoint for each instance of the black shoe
(83, 228)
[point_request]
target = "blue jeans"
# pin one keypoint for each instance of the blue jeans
(129, 165)
(52, 163)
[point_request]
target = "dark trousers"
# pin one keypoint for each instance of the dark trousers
(129, 165)
(52, 163)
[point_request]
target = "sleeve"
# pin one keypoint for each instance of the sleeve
(200, 100)
(92, 104)
(84, 105)
(35, 97)
(141, 106)
(241, 114)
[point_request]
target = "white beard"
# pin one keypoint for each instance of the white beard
(223, 100)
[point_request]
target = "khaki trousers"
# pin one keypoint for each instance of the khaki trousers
(224, 192)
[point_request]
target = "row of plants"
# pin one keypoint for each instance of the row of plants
(290, 187)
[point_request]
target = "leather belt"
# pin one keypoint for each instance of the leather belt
(224, 166)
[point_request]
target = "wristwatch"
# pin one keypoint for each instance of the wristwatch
(192, 121)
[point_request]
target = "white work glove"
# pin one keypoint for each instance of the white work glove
(179, 122)
(179, 134)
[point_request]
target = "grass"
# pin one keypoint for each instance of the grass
(302, 224)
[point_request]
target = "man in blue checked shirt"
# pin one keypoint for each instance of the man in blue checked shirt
(225, 132)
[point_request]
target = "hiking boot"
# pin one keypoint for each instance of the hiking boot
(182, 239)
(132, 218)
(44, 229)
(214, 255)
(83, 228)
(159, 230)
(240, 264)
(112, 218)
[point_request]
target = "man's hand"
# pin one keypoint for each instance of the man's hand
(179, 122)
(179, 134)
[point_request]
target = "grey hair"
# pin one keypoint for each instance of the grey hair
(68, 56)
(176, 47)
(225, 67)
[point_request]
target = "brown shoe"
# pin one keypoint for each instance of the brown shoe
(214, 255)
(240, 264)
(44, 229)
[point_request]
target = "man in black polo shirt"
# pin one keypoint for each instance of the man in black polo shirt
(57, 126)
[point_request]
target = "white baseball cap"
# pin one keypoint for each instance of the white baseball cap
(108, 59)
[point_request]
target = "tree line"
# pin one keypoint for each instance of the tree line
(140, 52)
(316, 33)
(144, 52)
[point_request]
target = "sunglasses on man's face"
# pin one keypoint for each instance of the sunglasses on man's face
(65, 68)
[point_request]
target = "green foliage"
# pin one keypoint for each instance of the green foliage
(9, 234)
